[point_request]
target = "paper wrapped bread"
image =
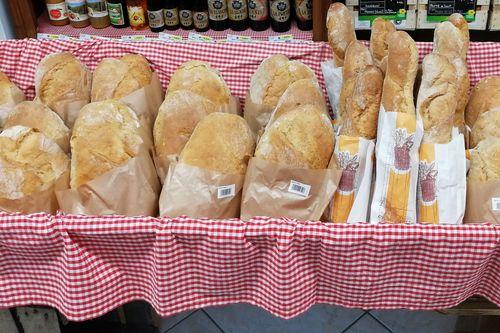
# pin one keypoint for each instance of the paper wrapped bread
(117, 78)
(42, 119)
(340, 31)
(485, 161)
(484, 97)
(10, 95)
(487, 125)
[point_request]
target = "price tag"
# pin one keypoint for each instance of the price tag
(239, 39)
(226, 191)
(281, 38)
(169, 38)
(87, 37)
(53, 37)
(134, 38)
(199, 38)
(495, 204)
(298, 188)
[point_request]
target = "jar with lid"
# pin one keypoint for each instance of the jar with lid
(98, 13)
(77, 13)
(57, 11)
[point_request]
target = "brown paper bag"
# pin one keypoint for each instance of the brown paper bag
(277, 190)
(198, 192)
(256, 115)
(483, 202)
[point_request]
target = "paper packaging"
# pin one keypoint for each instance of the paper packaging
(257, 116)
(197, 192)
(333, 82)
(276, 190)
(397, 161)
(442, 182)
(6, 109)
(483, 202)
(355, 157)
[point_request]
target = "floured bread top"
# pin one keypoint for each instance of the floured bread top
(106, 135)
(29, 162)
(9, 92)
(487, 125)
(484, 97)
(485, 161)
(263, 75)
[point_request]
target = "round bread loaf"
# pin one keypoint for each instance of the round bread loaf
(29, 162)
(106, 135)
(485, 161)
(263, 76)
(9, 92)
(117, 78)
(302, 138)
(378, 39)
(484, 97)
(220, 142)
(487, 125)
(40, 117)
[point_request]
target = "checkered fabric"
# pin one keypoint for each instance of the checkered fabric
(87, 266)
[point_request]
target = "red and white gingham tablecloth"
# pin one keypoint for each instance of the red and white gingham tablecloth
(87, 266)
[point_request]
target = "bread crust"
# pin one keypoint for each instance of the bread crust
(485, 161)
(486, 126)
(484, 96)
(340, 31)
(378, 40)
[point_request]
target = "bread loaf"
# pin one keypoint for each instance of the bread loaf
(487, 125)
(437, 98)
(463, 86)
(41, 118)
(340, 31)
(402, 65)
(301, 138)
(459, 21)
(484, 97)
(485, 161)
(220, 142)
(263, 76)
(117, 78)
(29, 162)
(9, 92)
(378, 41)
(106, 135)
(363, 104)
(450, 41)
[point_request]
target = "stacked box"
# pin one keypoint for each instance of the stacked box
(495, 16)
(431, 12)
(403, 13)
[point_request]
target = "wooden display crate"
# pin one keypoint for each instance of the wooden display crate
(494, 24)
(409, 23)
(479, 23)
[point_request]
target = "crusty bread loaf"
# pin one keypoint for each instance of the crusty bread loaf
(449, 41)
(340, 31)
(263, 76)
(106, 135)
(463, 86)
(41, 118)
(485, 161)
(220, 142)
(117, 78)
(484, 97)
(487, 125)
(302, 138)
(200, 78)
(378, 40)
(459, 21)
(363, 104)
(437, 98)
(9, 92)
(402, 65)
(29, 162)
(177, 118)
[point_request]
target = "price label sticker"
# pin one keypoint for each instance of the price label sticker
(53, 37)
(199, 38)
(238, 39)
(169, 37)
(281, 38)
(227, 191)
(495, 204)
(298, 188)
(134, 38)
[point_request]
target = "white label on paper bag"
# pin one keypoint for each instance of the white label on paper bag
(299, 188)
(226, 191)
(495, 204)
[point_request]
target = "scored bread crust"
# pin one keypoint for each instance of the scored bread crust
(340, 31)
(449, 41)
(486, 126)
(264, 74)
(378, 40)
(459, 21)
(9, 92)
(485, 161)
(484, 97)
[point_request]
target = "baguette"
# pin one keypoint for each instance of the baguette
(340, 31)
(378, 41)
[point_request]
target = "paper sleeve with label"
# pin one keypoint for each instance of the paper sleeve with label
(333, 82)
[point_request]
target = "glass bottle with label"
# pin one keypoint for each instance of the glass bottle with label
(217, 14)
(237, 11)
(98, 13)
(200, 15)
(258, 13)
(280, 15)
(303, 14)
(77, 13)
(186, 14)
(57, 11)
(171, 13)
(155, 16)
(118, 16)
(137, 14)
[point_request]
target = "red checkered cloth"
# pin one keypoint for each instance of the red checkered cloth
(87, 266)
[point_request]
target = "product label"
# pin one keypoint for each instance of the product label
(495, 204)
(199, 38)
(217, 10)
(228, 191)
(395, 10)
(134, 38)
(439, 10)
(281, 38)
(169, 38)
(303, 9)
(258, 10)
(97, 8)
(156, 19)
(186, 17)
(238, 39)
(171, 17)
(200, 20)
(280, 10)
(136, 15)
(237, 10)
(116, 14)
(58, 11)
(77, 11)
(299, 188)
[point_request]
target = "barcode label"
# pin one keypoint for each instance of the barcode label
(299, 188)
(226, 191)
(495, 204)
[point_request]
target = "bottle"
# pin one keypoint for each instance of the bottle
(137, 14)
(258, 13)
(303, 14)
(280, 15)
(98, 13)
(155, 16)
(186, 14)
(118, 16)
(200, 15)
(171, 13)
(77, 13)
(58, 13)
(217, 14)
(238, 14)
